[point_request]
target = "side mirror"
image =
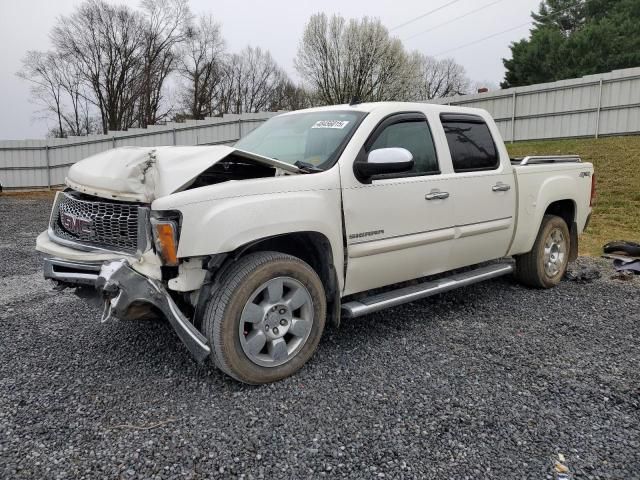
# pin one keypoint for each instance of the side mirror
(385, 160)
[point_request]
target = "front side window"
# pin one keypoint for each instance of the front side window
(415, 136)
(470, 143)
(315, 138)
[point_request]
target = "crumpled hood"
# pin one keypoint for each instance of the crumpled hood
(143, 174)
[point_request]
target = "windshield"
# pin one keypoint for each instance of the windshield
(314, 138)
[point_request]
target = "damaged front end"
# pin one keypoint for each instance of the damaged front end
(133, 282)
(105, 240)
(124, 288)
(144, 174)
(124, 255)
(126, 293)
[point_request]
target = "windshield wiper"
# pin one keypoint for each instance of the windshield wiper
(307, 167)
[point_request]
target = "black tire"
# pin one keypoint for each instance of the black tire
(222, 316)
(530, 267)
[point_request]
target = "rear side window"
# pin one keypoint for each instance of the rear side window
(470, 143)
(415, 137)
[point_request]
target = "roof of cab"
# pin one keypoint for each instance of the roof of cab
(390, 107)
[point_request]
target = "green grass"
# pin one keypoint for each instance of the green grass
(616, 160)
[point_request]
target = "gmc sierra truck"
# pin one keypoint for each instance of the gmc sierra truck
(249, 250)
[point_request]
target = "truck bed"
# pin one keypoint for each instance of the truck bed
(539, 178)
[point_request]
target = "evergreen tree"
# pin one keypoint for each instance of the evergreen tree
(574, 38)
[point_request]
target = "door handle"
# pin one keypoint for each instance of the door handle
(436, 195)
(501, 187)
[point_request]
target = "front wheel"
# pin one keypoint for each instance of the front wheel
(546, 263)
(265, 320)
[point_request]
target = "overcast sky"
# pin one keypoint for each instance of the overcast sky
(277, 25)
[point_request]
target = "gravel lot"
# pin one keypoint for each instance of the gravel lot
(493, 381)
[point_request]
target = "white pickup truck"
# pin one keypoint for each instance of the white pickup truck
(321, 213)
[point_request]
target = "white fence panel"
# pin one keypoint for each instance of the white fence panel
(594, 105)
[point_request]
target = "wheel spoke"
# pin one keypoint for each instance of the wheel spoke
(298, 298)
(275, 290)
(252, 313)
(255, 341)
(299, 327)
(278, 349)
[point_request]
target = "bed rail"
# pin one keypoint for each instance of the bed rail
(538, 159)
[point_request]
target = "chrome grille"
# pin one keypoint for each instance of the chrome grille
(99, 223)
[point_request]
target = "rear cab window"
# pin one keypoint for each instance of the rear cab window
(470, 143)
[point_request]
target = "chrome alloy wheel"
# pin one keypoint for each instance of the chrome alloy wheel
(276, 321)
(555, 252)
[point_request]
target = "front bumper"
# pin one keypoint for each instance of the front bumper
(70, 272)
(122, 287)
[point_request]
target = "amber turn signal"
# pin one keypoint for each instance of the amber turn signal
(166, 242)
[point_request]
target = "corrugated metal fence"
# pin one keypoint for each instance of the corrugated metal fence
(591, 106)
(28, 164)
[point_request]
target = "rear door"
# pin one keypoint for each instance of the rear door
(398, 226)
(483, 189)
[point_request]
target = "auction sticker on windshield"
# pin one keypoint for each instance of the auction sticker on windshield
(330, 124)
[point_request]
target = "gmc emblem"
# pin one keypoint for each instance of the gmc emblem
(74, 224)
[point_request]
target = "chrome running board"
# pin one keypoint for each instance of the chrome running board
(364, 306)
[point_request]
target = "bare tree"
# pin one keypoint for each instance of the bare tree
(201, 67)
(112, 59)
(78, 118)
(40, 69)
(116, 61)
(289, 96)
(106, 42)
(58, 87)
(250, 82)
(432, 78)
(166, 25)
(342, 60)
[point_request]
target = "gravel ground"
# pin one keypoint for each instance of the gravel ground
(493, 381)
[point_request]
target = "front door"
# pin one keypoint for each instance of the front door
(398, 226)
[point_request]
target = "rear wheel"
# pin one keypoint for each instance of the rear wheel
(265, 320)
(546, 263)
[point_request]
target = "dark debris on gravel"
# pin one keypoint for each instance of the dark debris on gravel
(493, 381)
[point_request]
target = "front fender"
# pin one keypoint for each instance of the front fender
(222, 218)
(224, 225)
